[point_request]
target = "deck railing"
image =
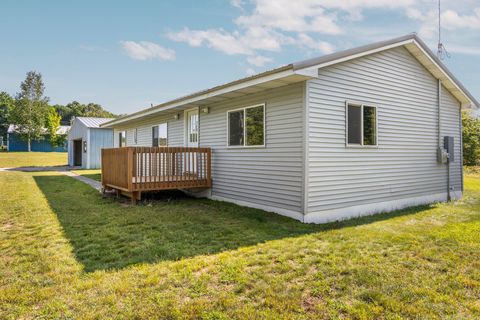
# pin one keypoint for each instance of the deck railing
(136, 169)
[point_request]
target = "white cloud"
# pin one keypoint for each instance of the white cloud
(452, 20)
(259, 61)
(291, 16)
(310, 25)
(316, 45)
(235, 42)
(271, 25)
(145, 50)
(218, 39)
(237, 3)
(464, 49)
(250, 72)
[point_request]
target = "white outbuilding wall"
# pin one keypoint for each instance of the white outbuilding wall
(96, 138)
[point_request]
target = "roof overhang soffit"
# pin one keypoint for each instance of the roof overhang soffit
(271, 81)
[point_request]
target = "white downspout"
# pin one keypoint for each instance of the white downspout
(439, 101)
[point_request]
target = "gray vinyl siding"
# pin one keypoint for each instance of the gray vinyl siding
(404, 163)
(269, 176)
(144, 127)
(99, 139)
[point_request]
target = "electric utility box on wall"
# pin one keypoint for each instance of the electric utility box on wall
(448, 144)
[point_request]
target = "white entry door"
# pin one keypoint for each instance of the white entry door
(192, 128)
(192, 140)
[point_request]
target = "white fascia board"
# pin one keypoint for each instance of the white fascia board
(214, 93)
(464, 105)
(313, 70)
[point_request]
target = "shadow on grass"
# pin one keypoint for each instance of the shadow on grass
(110, 234)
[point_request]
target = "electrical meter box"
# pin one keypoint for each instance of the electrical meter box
(448, 145)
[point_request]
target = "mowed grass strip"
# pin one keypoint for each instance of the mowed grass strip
(67, 253)
(32, 159)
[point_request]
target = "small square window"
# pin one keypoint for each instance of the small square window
(246, 127)
(361, 125)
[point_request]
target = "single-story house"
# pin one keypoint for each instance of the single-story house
(353, 133)
(86, 140)
(15, 143)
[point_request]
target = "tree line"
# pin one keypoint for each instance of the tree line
(471, 139)
(29, 110)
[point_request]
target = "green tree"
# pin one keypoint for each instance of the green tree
(77, 109)
(52, 123)
(29, 109)
(471, 139)
(6, 103)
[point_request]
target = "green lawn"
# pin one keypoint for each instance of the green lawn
(67, 253)
(28, 159)
(94, 174)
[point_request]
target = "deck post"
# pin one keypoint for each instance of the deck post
(134, 196)
(209, 167)
(130, 165)
(103, 166)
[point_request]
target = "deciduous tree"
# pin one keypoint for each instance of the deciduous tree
(6, 103)
(28, 112)
(52, 124)
(471, 139)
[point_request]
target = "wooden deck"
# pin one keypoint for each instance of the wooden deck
(132, 170)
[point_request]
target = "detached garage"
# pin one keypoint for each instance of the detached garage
(86, 140)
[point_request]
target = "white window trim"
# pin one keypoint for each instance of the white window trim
(135, 135)
(361, 105)
(245, 127)
(185, 126)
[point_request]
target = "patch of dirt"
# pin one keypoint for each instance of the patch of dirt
(6, 226)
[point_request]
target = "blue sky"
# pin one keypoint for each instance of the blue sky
(128, 54)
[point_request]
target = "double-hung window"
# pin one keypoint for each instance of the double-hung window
(160, 135)
(362, 125)
(246, 127)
